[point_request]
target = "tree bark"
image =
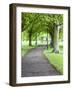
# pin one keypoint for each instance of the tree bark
(52, 41)
(47, 39)
(30, 44)
(56, 38)
(36, 40)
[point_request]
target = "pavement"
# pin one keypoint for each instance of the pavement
(36, 64)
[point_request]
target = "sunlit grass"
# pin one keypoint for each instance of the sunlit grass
(25, 49)
(56, 59)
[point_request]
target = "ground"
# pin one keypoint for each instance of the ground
(34, 63)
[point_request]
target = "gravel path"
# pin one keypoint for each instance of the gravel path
(35, 64)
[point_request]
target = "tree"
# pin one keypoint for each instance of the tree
(35, 23)
(58, 21)
(28, 20)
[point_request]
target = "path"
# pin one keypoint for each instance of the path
(35, 64)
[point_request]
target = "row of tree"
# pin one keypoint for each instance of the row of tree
(34, 24)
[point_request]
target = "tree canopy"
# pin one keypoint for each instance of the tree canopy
(34, 24)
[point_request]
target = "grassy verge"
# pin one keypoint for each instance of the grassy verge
(25, 49)
(55, 59)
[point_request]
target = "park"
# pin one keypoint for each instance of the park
(41, 44)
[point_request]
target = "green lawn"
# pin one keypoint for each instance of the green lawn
(55, 59)
(25, 49)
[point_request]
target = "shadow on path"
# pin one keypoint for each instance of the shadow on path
(35, 64)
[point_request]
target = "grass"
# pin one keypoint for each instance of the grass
(55, 59)
(25, 49)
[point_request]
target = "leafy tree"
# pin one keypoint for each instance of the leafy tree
(35, 23)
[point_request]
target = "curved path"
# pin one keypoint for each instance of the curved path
(35, 64)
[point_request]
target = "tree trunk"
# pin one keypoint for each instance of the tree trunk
(30, 44)
(56, 38)
(36, 40)
(52, 41)
(47, 39)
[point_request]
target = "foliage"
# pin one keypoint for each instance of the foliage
(39, 22)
